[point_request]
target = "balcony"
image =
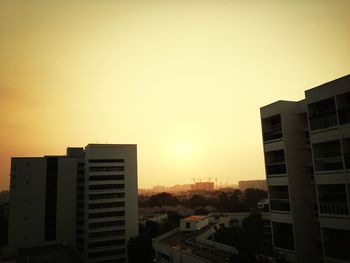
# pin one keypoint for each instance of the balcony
(336, 243)
(272, 129)
(343, 101)
(272, 135)
(323, 121)
(280, 205)
(329, 164)
(283, 235)
(327, 156)
(333, 199)
(344, 116)
(333, 207)
(347, 160)
(346, 152)
(322, 114)
(275, 163)
(279, 192)
(276, 169)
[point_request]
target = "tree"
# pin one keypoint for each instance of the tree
(251, 197)
(201, 211)
(163, 199)
(197, 201)
(150, 229)
(248, 240)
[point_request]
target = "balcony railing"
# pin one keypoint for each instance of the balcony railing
(280, 205)
(329, 164)
(347, 160)
(337, 250)
(344, 115)
(279, 195)
(274, 134)
(276, 168)
(333, 207)
(323, 121)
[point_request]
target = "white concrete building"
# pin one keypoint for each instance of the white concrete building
(193, 223)
(87, 198)
(192, 243)
(306, 149)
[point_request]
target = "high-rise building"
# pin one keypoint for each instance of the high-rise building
(307, 149)
(87, 198)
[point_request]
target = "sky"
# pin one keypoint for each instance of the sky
(184, 80)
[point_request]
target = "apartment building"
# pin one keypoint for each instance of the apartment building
(87, 198)
(306, 150)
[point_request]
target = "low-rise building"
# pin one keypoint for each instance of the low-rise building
(193, 223)
(191, 247)
(193, 241)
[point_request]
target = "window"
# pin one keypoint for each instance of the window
(106, 169)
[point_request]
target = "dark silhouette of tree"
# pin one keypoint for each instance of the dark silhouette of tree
(140, 247)
(248, 240)
(163, 199)
(197, 201)
(201, 211)
(251, 197)
(150, 229)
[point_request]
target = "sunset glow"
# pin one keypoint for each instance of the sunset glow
(184, 80)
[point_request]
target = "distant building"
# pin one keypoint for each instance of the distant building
(203, 186)
(307, 160)
(87, 199)
(254, 184)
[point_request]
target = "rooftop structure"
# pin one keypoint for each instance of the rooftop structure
(191, 246)
(193, 223)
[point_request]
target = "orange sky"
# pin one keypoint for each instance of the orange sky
(182, 79)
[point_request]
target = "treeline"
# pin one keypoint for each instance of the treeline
(235, 201)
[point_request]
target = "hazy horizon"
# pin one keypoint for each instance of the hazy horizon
(184, 80)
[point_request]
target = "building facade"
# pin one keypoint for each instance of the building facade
(87, 198)
(306, 150)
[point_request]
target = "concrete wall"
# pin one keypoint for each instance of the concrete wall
(27, 202)
(66, 200)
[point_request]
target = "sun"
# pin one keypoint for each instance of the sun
(182, 149)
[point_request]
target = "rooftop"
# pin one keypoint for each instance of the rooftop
(186, 242)
(195, 218)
